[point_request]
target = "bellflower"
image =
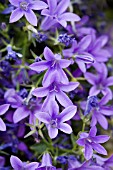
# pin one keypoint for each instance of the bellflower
(55, 89)
(100, 81)
(25, 7)
(55, 121)
(79, 53)
(23, 107)
(56, 14)
(92, 142)
(17, 164)
(3, 110)
(46, 163)
(52, 63)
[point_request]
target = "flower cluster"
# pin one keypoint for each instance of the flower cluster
(56, 85)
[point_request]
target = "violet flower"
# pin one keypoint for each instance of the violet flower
(91, 142)
(79, 53)
(46, 163)
(17, 164)
(55, 89)
(100, 81)
(52, 63)
(55, 121)
(99, 110)
(23, 107)
(25, 7)
(3, 110)
(56, 14)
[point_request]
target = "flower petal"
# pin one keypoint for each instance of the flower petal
(63, 99)
(20, 114)
(94, 91)
(16, 163)
(52, 5)
(43, 117)
(81, 65)
(16, 15)
(69, 87)
(47, 23)
(85, 42)
(48, 54)
(63, 63)
(4, 108)
(93, 131)
(64, 127)
(40, 92)
(2, 125)
(62, 6)
(67, 113)
(102, 120)
(81, 142)
(14, 2)
(38, 5)
(88, 151)
(32, 166)
(53, 132)
(53, 109)
(31, 17)
(39, 66)
(109, 81)
(98, 148)
(101, 138)
(68, 16)
(91, 78)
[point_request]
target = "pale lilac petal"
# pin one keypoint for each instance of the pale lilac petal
(88, 151)
(52, 5)
(94, 91)
(93, 131)
(81, 142)
(91, 78)
(40, 92)
(63, 99)
(101, 138)
(64, 127)
(68, 16)
(31, 166)
(108, 91)
(38, 5)
(62, 6)
(45, 12)
(43, 117)
(69, 87)
(85, 42)
(46, 104)
(104, 100)
(16, 163)
(4, 108)
(63, 23)
(53, 132)
(53, 109)
(108, 111)
(14, 2)
(81, 65)
(93, 120)
(63, 63)
(39, 66)
(2, 125)
(67, 113)
(47, 77)
(109, 81)
(46, 161)
(102, 120)
(16, 15)
(47, 23)
(84, 135)
(31, 17)
(48, 54)
(98, 148)
(63, 76)
(20, 114)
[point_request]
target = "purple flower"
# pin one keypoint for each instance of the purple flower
(3, 110)
(56, 14)
(55, 88)
(91, 142)
(79, 53)
(100, 81)
(25, 7)
(17, 164)
(55, 121)
(52, 63)
(24, 107)
(46, 163)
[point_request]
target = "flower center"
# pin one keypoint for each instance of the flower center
(53, 123)
(24, 5)
(53, 88)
